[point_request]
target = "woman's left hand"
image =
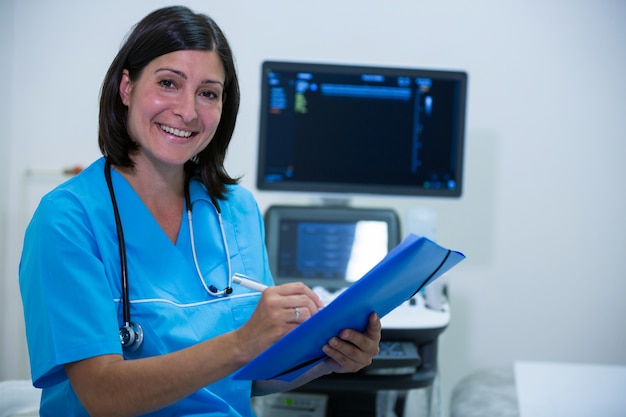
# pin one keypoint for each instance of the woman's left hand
(352, 351)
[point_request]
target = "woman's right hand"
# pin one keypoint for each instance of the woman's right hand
(280, 309)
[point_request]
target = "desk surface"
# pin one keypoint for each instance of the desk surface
(548, 389)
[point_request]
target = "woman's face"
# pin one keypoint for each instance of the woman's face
(175, 106)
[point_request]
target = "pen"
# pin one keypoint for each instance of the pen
(248, 283)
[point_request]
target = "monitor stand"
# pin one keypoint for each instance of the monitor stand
(331, 201)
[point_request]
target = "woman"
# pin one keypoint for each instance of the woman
(111, 255)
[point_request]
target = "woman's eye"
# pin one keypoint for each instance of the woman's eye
(167, 83)
(211, 95)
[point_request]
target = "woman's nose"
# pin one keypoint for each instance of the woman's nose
(186, 107)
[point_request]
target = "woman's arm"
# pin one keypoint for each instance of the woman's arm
(108, 385)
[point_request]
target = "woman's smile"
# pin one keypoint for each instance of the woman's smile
(176, 132)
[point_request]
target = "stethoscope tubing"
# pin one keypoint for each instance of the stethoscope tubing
(131, 331)
(121, 246)
(211, 289)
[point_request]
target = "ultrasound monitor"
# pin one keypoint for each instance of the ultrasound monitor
(329, 247)
(357, 129)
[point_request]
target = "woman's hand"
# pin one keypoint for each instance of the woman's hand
(351, 351)
(280, 309)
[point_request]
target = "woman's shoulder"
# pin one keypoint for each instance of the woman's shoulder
(239, 200)
(238, 192)
(88, 185)
(87, 180)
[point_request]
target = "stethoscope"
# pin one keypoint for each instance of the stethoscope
(131, 334)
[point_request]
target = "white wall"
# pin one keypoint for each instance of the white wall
(541, 218)
(10, 339)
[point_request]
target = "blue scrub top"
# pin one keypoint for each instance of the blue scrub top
(70, 281)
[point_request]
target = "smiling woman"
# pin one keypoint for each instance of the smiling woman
(117, 243)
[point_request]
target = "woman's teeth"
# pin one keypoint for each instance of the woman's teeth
(176, 132)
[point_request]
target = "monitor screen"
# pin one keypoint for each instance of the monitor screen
(356, 129)
(330, 247)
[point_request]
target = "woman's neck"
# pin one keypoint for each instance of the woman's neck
(163, 193)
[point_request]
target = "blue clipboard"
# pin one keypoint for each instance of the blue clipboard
(407, 268)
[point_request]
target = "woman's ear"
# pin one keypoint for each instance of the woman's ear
(125, 87)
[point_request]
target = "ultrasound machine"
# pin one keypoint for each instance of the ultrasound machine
(337, 131)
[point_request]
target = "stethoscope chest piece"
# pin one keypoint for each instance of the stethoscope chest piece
(131, 337)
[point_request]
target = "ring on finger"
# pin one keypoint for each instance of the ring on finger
(297, 311)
